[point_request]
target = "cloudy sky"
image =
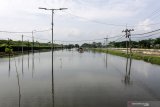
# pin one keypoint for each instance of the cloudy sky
(83, 20)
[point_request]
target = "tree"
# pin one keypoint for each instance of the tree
(76, 45)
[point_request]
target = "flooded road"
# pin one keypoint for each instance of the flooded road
(86, 79)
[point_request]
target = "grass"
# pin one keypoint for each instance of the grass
(146, 58)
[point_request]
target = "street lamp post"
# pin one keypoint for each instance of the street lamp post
(52, 10)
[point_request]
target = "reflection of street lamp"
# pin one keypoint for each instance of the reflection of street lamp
(33, 40)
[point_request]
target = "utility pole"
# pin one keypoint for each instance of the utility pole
(128, 35)
(9, 55)
(28, 46)
(22, 44)
(33, 40)
(8, 44)
(52, 10)
(28, 54)
(39, 46)
(130, 42)
(106, 42)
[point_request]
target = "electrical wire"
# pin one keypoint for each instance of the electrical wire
(146, 36)
(26, 32)
(147, 32)
(109, 24)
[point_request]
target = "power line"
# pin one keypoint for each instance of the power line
(119, 38)
(43, 30)
(26, 32)
(154, 12)
(109, 24)
(147, 35)
(80, 40)
(74, 40)
(89, 39)
(13, 32)
(94, 20)
(147, 32)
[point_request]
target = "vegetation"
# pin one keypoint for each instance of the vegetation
(9, 50)
(10, 45)
(146, 44)
(147, 58)
(93, 45)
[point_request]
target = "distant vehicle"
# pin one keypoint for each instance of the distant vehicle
(80, 50)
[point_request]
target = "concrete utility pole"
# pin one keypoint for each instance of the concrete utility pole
(33, 41)
(52, 10)
(128, 35)
(28, 46)
(106, 42)
(22, 44)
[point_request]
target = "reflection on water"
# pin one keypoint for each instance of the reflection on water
(28, 60)
(61, 64)
(9, 68)
(39, 56)
(22, 65)
(52, 80)
(33, 66)
(106, 61)
(83, 81)
(127, 80)
(19, 88)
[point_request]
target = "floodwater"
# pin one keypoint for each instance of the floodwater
(86, 79)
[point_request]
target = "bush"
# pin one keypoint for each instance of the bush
(8, 50)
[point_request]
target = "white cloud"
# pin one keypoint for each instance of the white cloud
(112, 9)
(67, 33)
(144, 25)
(24, 15)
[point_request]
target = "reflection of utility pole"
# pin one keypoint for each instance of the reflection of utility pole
(128, 35)
(18, 80)
(33, 67)
(9, 66)
(128, 71)
(22, 66)
(106, 42)
(130, 63)
(28, 61)
(28, 54)
(106, 60)
(22, 55)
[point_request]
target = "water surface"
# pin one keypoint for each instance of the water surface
(86, 79)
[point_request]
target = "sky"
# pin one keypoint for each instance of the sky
(83, 20)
